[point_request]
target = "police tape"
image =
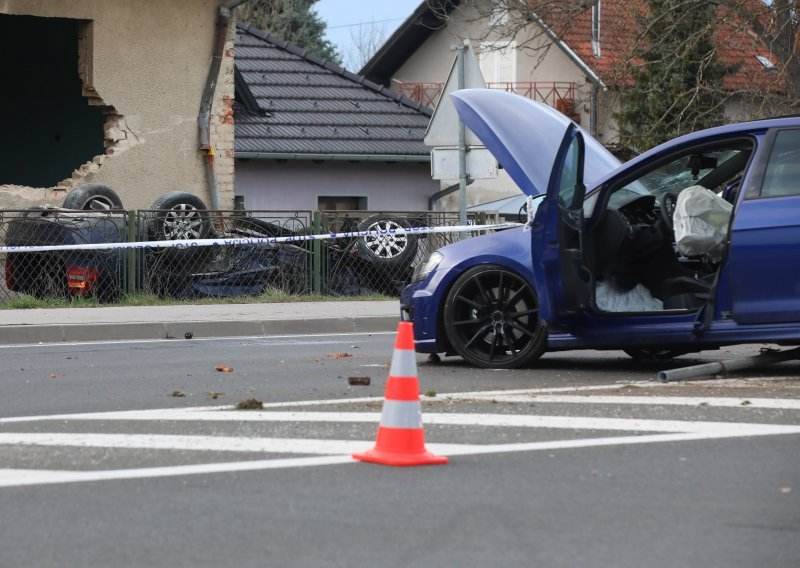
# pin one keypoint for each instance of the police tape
(234, 241)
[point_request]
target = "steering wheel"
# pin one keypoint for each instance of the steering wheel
(667, 204)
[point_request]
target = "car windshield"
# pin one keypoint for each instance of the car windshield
(710, 169)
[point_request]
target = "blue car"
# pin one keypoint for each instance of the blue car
(692, 245)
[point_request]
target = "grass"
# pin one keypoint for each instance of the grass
(24, 302)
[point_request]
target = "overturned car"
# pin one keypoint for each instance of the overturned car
(92, 215)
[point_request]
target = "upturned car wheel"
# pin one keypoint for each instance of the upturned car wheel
(392, 246)
(177, 216)
(92, 197)
(491, 317)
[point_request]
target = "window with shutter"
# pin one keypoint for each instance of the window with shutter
(498, 62)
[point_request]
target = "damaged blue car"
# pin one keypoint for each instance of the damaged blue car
(690, 246)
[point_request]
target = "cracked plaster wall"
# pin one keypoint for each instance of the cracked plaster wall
(145, 63)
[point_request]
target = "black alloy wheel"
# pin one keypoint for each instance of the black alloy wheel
(491, 317)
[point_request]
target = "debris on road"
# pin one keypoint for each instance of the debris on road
(223, 369)
(177, 394)
(250, 404)
(433, 359)
(358, 380)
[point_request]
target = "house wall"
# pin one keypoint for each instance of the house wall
(145, 64)
(433, 60)
(295, 185)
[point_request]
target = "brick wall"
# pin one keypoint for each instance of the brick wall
(222, 123)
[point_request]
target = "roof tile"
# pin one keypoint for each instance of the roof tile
(315, 107)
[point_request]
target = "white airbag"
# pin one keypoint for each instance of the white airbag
(700, 222)
(637, 299)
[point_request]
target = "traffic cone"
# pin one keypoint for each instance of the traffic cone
(401, 440)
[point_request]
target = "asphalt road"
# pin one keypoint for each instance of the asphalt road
(130, 454)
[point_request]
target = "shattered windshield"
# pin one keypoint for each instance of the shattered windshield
(711, 169)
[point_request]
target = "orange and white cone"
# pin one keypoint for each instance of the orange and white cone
(401, 440)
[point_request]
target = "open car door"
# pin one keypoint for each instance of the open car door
(569, 278)
(544, 152)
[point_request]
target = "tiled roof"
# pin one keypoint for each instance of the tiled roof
(735, 45)
(312, 107)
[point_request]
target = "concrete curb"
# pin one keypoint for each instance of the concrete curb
(81, 332)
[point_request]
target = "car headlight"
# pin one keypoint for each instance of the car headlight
(422, 269)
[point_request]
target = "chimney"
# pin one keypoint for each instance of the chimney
(596, 28)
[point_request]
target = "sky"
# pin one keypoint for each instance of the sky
(343, 18)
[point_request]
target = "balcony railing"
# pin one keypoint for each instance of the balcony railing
(558, 94)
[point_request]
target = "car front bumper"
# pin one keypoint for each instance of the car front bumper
(418, 306)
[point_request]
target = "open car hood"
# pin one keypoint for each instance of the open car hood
(525, 136)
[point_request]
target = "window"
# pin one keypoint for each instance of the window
(498, 62)
(498, 17)
(718, 169)
(782, 176)
(570, 173)
(341, 203)
(766, 62)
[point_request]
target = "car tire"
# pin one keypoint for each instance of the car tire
(491, 318)
(92, 197)
(391, 249)
(179, 215)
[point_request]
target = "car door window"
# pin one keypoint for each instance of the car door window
(570, 173)
(782, 175)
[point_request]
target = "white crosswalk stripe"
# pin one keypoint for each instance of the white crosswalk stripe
(317, 452)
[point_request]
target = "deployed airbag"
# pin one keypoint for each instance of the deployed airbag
(638, 299)
(700, 222)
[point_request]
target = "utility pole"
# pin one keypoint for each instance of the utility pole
(462, 144)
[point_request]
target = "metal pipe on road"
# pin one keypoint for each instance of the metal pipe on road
(768, 357)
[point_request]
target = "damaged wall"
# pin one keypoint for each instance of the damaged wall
(125, 111)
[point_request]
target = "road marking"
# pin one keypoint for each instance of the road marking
(229, 414)
(17, 478)
(727, 402)
(198, 443)
(337, 452)
(176, 340)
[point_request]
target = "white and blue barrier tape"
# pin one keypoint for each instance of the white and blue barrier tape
(255, 240)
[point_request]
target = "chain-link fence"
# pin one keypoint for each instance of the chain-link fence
(378, 259)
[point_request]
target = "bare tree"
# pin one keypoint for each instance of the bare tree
(777, 25)
(771, 28)
(366, 39)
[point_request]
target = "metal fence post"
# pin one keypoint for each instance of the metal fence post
(316, 255)
(130, 275)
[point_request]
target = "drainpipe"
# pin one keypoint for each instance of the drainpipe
(204, 118)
